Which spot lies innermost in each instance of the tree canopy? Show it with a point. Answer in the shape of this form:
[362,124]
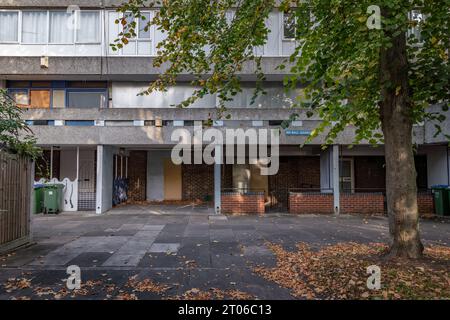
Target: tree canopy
[336,58]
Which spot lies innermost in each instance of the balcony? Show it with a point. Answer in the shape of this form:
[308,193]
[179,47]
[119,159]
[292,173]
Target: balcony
[140,127]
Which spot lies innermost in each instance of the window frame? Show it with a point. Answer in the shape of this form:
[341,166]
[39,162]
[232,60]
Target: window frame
[87,90]
[49,29]
[284,38]
[138,24]
[77,23]
[135,40]
[411,31]
[22,90]
[18,27]
[47,36]
[57,86]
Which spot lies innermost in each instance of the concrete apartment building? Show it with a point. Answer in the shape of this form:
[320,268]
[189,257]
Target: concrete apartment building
[81,101]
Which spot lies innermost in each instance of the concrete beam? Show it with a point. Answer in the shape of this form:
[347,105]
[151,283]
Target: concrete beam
[246,114]
[112,68]
[147,136]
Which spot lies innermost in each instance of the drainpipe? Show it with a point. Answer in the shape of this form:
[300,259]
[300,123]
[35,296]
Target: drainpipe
[51,163]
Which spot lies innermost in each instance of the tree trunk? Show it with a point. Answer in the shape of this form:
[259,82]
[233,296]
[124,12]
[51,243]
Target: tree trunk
[397,123]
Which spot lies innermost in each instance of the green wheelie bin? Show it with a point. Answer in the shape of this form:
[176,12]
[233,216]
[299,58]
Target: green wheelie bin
[52,198]
[38,191]
[441,199]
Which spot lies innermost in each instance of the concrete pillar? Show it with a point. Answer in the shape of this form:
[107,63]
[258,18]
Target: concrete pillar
[155,174]
[2,84]
[105,175]
[218,179]
[336,191]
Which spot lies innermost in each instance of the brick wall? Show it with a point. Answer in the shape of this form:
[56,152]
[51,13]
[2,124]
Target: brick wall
[310,202]
[365,203]
[294,172]
[137,174]
[198,182]
[425,202]
[237,203]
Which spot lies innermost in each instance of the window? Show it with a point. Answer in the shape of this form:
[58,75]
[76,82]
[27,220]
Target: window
[20,97]
[144,31]
[55,27]
[80,123]
[61,27]
[31,98]
[149,123]
[119,123]
[58,94]
[34,27]
[141,42]
[9,25]
[275,123]
[417,18]
[89,27]
[347,178]
[59,98]
[85,99]
[129,19]
[289,21]
[42,123]
[144,43]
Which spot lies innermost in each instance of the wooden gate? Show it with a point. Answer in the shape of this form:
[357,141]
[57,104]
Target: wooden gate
[15,193]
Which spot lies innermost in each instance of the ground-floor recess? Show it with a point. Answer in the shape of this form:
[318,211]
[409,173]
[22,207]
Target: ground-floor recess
[309,180]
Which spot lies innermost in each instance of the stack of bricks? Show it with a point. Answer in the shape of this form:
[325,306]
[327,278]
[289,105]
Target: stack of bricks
[239,203]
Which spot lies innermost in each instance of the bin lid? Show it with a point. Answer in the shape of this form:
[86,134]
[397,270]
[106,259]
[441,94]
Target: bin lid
[440,186]
[50,186]
[38,185]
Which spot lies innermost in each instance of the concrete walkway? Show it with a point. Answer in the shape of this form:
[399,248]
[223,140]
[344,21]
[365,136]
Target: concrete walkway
[182,250]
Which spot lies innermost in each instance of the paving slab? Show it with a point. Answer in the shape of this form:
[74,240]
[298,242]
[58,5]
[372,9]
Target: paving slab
[179,248]
[164,248]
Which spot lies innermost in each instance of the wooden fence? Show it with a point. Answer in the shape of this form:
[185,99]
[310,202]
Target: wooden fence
[15,201]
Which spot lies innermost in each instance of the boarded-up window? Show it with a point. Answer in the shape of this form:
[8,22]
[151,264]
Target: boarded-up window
[59,98]
[172,181]
[40,99]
